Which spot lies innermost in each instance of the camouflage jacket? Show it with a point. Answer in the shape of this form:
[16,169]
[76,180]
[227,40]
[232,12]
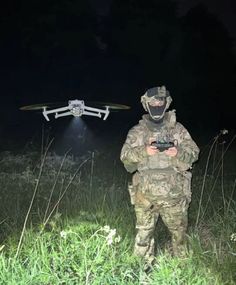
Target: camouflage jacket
[135,157]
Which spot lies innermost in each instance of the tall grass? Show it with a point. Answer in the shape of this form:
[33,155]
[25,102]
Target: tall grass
[79,226]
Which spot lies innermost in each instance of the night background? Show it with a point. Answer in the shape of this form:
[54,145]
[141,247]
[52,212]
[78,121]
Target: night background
[111,51]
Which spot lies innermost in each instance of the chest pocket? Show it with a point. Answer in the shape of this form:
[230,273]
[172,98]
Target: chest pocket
[160,160]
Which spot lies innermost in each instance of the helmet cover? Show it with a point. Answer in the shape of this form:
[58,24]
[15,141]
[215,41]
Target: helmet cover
[156,101]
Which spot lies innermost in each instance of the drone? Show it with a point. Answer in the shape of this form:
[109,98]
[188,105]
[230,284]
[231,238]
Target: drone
[76,108]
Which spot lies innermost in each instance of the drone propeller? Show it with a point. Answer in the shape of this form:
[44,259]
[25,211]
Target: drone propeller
[40,106]
[112,106]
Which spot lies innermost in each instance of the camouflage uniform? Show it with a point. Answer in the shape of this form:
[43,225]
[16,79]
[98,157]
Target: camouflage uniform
[161,184]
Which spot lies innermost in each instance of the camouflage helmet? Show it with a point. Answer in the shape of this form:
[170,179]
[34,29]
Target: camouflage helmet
[156,94]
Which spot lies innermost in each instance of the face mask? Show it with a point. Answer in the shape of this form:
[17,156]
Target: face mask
[156,107]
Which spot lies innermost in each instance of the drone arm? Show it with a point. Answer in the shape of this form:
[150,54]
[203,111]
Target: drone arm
[97,113]
[92,114]
[46,112]
[57,110]
[106,112]
[63,114]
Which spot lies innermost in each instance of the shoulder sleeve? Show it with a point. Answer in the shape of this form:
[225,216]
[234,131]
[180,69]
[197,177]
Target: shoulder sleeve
[133,150]
[188,150]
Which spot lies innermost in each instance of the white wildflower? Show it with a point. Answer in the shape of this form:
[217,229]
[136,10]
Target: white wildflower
[117,239]
[109,240]
[63,234]
[112,232]
[233,237]
[110,236]
[224,132]
[106,229]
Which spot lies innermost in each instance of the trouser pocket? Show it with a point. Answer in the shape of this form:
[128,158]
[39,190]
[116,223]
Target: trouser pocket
[187,178]
[131,193]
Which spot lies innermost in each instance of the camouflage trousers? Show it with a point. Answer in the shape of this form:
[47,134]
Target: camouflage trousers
[174,214]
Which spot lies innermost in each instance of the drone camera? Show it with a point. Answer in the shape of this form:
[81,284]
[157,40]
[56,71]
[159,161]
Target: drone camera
[76,107]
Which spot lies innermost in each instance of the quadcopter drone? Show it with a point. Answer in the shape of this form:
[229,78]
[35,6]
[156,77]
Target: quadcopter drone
[77,108]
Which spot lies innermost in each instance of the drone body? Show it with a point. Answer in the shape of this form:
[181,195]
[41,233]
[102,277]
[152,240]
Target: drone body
[76,108]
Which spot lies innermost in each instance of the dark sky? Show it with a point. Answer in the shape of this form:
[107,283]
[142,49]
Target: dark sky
[224,9]
[114,52]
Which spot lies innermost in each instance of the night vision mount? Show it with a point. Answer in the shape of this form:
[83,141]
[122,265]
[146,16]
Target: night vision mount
[76,108]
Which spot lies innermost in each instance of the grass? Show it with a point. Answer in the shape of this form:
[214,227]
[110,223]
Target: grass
[73,223]
[82,253]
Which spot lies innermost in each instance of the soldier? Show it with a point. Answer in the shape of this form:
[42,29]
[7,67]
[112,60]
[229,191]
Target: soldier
[160,152]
